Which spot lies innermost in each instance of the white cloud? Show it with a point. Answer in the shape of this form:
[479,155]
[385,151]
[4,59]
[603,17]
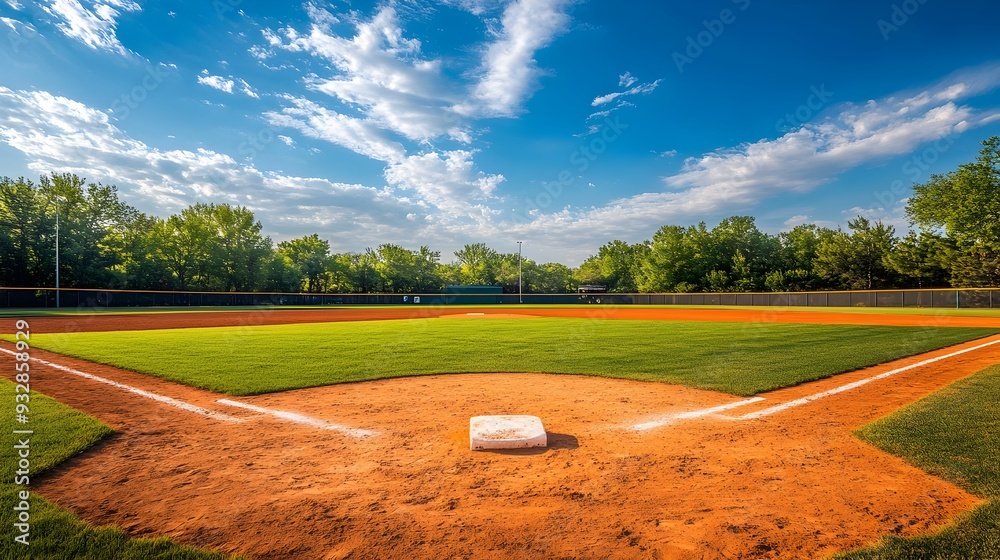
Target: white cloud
[600,115]
[362,136]
[94,25]
[61,135]
[227,85]
[286,139]
[247,90]
[895,216]
[641,89]
[627,79]
[475,7]
[382,74]
[447,180]
[797,220]
[217,82]
[668,153]
[509,71]
[16,25]
[742,177]
[14,4]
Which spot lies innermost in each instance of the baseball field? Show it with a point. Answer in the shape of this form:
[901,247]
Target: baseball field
[672,433]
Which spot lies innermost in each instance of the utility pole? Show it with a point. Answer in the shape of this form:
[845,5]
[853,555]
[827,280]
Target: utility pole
[520,293]
[59,200]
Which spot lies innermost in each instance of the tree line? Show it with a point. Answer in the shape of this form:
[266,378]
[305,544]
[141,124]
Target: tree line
[106,243]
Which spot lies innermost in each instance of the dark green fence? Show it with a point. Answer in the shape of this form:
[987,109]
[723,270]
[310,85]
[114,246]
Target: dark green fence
[983,298]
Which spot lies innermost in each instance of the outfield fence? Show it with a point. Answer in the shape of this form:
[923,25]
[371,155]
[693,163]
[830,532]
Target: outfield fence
[965,298]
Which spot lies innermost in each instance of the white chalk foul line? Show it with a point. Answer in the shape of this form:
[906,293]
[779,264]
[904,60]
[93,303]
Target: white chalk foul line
[693,414]
[301,419]
[798,402]
[154,396]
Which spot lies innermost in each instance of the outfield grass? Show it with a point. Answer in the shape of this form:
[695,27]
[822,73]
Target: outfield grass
[954,434]
[736,358]
[60,433]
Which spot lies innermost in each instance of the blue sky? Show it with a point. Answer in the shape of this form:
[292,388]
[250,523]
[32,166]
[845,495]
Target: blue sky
[564,124]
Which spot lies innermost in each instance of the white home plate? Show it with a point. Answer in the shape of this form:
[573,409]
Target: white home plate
[506,432]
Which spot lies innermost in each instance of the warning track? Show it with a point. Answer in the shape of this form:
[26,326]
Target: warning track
[110,322]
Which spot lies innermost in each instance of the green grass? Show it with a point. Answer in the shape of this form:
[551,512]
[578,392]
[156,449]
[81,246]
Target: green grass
[60,433]
[737,358]
[954,434]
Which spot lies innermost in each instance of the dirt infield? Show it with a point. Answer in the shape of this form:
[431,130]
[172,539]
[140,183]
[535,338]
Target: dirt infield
[793,485]
[110,322]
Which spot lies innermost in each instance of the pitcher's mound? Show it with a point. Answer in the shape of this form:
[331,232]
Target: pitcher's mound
[506,432]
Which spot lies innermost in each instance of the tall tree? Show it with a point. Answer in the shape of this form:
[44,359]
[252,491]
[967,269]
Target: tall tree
[616,265]
[670,264]
[241,248]
[477,264]
[310,257]
[89,215]
[741,254]
[506,272]
[859,260]
[965,203]
[426,276]
[396,267]
[549,278]
[137,267]
[24,234]
[361,273]
[795,266]
[924,260]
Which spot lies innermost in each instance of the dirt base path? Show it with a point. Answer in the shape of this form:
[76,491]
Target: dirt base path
[142,321]
[796,484]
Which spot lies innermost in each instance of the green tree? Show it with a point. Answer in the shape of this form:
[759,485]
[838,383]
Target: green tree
[361,273]
[211,247]
[477,265]
[89,216]
[397,268]
[858,260]
[24,234]
[550,278]
[309,256]
[279,274]
[506,271]
[616,265]
[924,260]
[240,250]
[426,276]
[743,253]
[137,267]
[965,204]
[669,260]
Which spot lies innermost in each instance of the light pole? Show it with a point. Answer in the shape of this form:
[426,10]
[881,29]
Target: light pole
[520,294]
[59,200]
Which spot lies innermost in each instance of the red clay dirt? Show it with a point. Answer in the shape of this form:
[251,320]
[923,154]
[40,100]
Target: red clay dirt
[271,316]
[797,484]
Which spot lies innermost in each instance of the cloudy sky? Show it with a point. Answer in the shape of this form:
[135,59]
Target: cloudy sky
[564,124]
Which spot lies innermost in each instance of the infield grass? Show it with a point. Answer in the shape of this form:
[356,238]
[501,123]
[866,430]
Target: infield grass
[60,433]
[954,434]
[736,358]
